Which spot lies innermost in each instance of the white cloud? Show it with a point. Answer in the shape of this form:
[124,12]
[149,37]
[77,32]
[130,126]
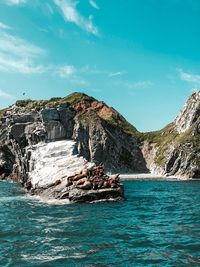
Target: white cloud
[3,94]
[93,4]
[71,74]
[114,74]
[139,84]
[19,47]
[71,14]
[66,71]
[20,65]
[4,26]
[189,77]
[15,2]
[18,55]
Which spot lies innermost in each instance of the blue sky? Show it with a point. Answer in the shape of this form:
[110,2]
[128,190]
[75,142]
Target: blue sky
[139,56]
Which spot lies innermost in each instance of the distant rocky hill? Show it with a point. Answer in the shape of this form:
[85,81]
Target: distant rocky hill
[101,135]
[175,150]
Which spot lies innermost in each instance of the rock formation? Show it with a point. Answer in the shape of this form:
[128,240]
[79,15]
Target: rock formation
[189,114]
[175,150]
[90,184]
[42,142]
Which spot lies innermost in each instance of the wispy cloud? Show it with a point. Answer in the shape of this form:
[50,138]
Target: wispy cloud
[18,55]
[189,77]
[71,14]
[19,65]
[66,71]
[15,2]
[19,47]
[3,94]
[72,74]
[93,4]
[4,26]
[118,73]
[94,70]
[138,84]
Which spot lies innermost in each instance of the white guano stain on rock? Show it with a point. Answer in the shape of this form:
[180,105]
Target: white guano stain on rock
[52,161]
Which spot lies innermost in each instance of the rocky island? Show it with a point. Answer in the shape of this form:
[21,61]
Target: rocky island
[63,147]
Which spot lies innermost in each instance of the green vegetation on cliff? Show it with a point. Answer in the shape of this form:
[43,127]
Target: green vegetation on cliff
[54,102]
[162,148]
[76,97]
[2,111]
[167,137]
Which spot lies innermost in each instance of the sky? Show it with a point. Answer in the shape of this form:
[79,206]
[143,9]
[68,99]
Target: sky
[141,57]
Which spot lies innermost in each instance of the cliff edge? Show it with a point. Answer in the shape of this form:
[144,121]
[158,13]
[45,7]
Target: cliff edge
[175,150]
[66,135]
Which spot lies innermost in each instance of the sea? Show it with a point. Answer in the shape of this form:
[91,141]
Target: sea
[158,224]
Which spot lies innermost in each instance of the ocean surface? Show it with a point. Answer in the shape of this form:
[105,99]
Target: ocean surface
[157,225]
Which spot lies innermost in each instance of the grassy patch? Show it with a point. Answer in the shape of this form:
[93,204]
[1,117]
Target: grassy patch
[116,120]
[167,137]
[76,98]
[2,111]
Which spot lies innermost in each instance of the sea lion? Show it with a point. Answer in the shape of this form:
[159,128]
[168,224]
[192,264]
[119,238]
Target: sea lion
[79,176]
[114,177]
[82,181]
[113,185]
[69,183]
[100,184]
[95,186]
[57,182]
[86,186]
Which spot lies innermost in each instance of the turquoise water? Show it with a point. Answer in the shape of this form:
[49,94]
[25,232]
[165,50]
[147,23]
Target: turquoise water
[158,225]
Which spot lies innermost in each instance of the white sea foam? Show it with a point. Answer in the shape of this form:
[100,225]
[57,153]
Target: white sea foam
[48,258]
[12,198]
[55,160]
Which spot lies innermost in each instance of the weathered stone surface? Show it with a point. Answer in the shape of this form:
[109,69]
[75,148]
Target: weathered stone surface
[24,118]
[77,189]
[189,114]
[50,115]
[101,135]
[7,160]
[55,131]
[100,142]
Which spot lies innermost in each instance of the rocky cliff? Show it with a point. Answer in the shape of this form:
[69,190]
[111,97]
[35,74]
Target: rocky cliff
[99,134]
[175,150]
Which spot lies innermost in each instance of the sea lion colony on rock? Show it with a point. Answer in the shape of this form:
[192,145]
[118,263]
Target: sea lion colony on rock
[94,178]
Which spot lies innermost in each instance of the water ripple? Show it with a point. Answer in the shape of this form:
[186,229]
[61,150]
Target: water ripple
[158,225]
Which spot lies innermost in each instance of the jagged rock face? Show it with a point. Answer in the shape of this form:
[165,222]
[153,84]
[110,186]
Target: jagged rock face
[21,129]
[184,162]
[85,122]
[7,161]
[101,135]
[100,142]
[175,150]
[189,114]
[185,158]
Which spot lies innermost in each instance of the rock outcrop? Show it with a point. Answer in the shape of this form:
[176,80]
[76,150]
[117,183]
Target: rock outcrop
[175,150]
[90,184]
[189,114]
[99,132]
[78,131]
